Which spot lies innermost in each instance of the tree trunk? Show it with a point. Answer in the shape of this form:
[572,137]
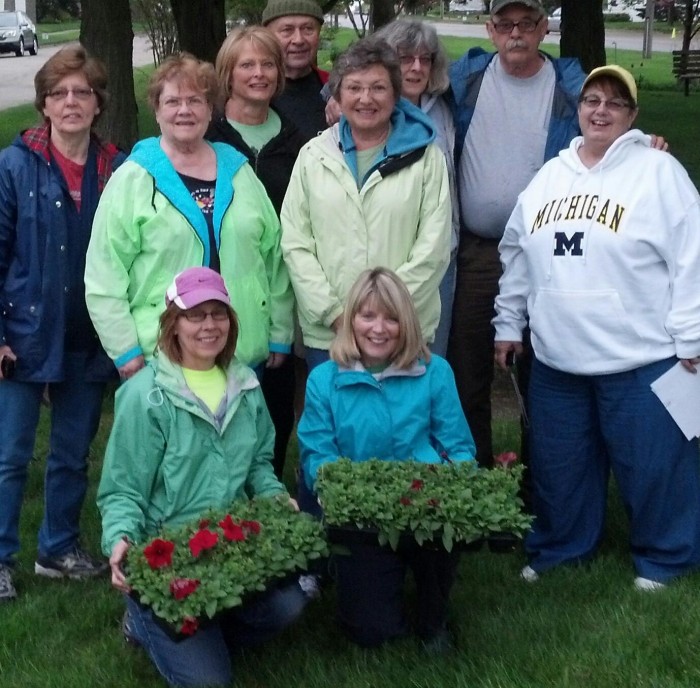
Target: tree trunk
[201,26]
[583,32]
[381,13]
[114,46]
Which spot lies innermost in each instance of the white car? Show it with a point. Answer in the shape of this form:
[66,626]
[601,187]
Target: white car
[554,21]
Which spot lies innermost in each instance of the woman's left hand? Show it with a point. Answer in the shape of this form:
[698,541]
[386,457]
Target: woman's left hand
[275,360]
[294,504]
[690,363]
[115,563]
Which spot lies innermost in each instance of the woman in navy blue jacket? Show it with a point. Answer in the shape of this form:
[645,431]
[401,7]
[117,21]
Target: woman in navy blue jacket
[382,395]
[51,178]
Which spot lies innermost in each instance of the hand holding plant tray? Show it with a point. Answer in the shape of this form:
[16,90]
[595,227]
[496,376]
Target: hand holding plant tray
[196,571]
[444,503]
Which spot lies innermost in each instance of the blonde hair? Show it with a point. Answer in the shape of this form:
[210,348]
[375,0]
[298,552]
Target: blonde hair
[183,69]
[384,288]
[230,52]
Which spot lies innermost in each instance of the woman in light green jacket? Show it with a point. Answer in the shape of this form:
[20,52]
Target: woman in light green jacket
[191,433]
[370,191]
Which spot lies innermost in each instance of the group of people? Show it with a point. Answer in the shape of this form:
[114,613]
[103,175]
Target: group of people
[394,212]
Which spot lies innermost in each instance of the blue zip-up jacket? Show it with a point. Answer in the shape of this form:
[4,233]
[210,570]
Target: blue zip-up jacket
[467,73]
[42,256]
[396,415]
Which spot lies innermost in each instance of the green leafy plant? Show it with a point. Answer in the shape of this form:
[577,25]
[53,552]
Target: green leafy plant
[196,571]
[444,503]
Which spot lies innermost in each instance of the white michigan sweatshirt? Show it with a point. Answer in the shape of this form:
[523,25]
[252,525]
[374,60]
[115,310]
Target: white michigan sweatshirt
[604,262]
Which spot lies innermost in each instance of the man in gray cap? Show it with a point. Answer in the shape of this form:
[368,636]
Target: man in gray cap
[297,27]
[514,109]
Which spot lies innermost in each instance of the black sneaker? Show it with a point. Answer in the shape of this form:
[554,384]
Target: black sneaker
[75,564]
[7,589]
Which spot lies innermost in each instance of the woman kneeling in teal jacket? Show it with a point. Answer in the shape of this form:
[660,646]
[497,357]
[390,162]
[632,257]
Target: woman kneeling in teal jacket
[382,395]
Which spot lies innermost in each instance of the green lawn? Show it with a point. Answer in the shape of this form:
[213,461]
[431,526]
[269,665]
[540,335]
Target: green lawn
[576,628]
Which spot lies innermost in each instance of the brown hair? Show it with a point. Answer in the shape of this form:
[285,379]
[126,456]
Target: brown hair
[384,288]
[168,342]
[183,69]
[68,61]
[612,85]
[230,52]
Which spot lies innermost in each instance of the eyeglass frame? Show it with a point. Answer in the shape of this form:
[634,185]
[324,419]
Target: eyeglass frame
[408,60]
[618,104]
[195,315]
[512,24]
[80,93]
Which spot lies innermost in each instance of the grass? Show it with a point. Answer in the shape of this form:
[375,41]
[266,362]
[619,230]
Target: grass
[576,628]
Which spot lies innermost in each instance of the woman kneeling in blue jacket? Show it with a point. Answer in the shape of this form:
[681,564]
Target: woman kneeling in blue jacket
[382,395]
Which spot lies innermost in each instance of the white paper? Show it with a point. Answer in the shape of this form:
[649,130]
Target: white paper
[679,392]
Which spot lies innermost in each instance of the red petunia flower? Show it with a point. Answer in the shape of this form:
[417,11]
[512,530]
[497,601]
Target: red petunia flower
[251,527]
[183,587]
[159,553]
[232,531]
[189,626]
[204,523]
[434,502]
[406,501]
[417,485]
[506,459]
[203,539]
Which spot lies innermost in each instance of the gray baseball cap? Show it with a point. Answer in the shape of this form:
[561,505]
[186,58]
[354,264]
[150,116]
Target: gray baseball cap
[499,5]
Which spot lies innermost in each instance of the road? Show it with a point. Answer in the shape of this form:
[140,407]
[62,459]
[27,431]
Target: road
[17,73]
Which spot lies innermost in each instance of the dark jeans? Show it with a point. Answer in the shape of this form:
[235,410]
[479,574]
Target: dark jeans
[370,583]
[278,389]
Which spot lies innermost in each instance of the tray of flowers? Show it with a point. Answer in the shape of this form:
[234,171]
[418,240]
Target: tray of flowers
[190,574]
[451,504]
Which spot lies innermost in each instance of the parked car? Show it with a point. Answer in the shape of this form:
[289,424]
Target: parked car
[554,21]
[17,34]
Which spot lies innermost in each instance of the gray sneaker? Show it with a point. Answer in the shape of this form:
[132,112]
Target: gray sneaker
[7,589]
[75,564]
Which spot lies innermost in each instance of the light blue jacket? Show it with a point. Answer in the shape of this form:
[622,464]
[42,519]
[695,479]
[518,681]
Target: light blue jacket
[395,415]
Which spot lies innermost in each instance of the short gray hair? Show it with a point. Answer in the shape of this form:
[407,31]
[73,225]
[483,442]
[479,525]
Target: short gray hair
[412,36]
[362,55]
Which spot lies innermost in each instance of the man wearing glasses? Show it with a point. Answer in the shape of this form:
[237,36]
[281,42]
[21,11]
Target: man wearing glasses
[514,109]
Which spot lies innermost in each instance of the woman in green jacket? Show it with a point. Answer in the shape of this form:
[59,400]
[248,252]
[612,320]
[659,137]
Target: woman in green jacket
[191,433]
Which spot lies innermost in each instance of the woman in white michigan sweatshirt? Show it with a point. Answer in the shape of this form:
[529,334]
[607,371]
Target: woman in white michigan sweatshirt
[601,258]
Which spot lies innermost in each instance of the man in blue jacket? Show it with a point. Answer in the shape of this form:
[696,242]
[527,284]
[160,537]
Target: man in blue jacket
[514,109]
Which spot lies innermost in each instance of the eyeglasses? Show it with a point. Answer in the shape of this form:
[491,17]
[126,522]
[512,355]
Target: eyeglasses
[192,102]
[525,25]
[614,104]
[62,93]
[197,315]
[409,60]
[378,90]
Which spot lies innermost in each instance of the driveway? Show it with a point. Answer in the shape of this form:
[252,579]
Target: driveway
[17,73]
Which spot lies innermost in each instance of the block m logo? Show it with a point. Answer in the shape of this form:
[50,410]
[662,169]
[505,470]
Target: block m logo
[563,244]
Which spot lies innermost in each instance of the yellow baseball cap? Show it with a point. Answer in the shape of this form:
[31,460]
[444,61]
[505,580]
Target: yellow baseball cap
[616,72]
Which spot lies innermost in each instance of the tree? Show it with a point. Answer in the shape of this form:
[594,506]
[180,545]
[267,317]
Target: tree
[381,12]
[691,21]
[201,26]
[583,32]
[115,48]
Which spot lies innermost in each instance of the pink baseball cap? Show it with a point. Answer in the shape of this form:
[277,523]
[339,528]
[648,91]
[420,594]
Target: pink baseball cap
[196,285]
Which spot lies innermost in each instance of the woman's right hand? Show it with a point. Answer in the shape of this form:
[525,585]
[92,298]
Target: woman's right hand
[132,367]
[502,349]
[5,351]
[115,563]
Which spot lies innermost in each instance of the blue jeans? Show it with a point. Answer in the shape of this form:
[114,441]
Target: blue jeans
[583,426]
[447,297]
[204,659]
[75,415]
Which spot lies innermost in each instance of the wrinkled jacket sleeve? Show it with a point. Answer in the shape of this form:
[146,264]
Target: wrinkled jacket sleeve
[514,285]
[281,294]
[114,244]
[315,295]
[261,479]
[316,431]
[430,253]
[134,453]
[448,426]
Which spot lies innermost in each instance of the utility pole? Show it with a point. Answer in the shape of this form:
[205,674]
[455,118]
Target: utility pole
[648,29]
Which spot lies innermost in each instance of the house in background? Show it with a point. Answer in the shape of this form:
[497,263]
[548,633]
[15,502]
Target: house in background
[26,6]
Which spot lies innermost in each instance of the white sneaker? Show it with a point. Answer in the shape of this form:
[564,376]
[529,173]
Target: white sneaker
[647,584]
[310,585]
[529,575]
